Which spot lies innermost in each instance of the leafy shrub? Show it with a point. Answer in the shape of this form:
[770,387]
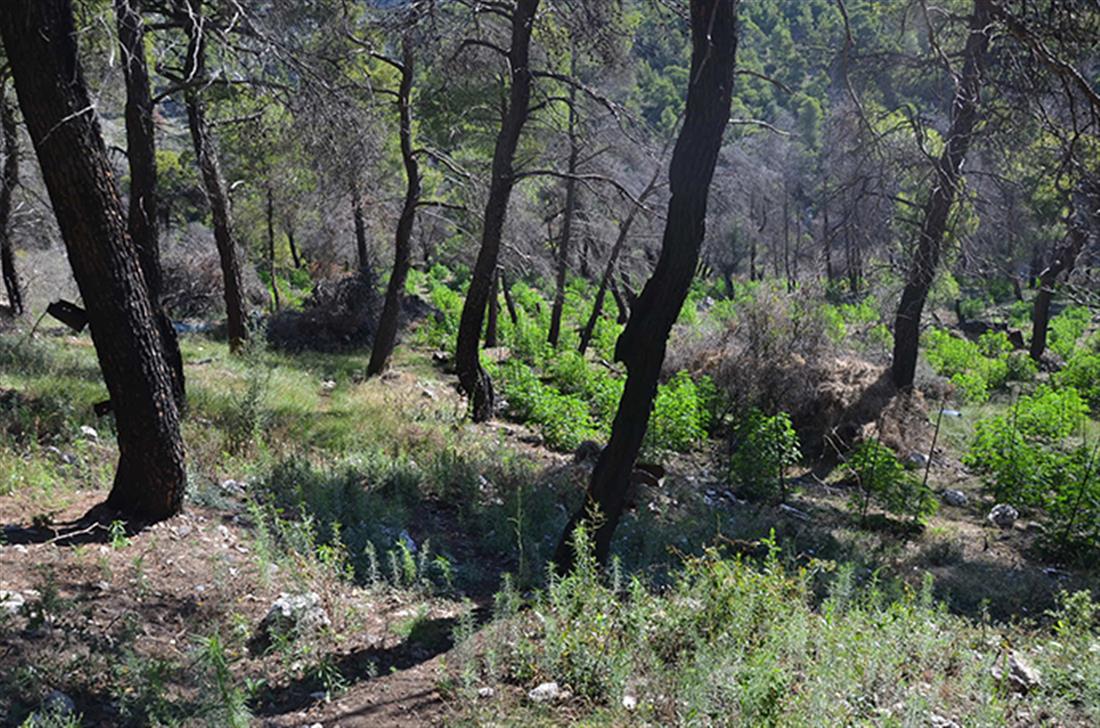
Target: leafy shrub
[882,478]
[679,417]
[764,448]
[1066,328]
[564,420]
[976,368]
[1029,459]
[1082,372]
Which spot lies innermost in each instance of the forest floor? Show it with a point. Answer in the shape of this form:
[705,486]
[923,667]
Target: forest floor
[156,626]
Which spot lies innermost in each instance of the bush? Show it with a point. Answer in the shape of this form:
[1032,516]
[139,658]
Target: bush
[1066,328]
[880,477]
[1082,372]
[679,419]
[1029,459]
[764,448]
[976,369]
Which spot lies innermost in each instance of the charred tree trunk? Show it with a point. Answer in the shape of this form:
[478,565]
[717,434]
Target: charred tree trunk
[362,251]
[473,378]
[9,178]
[620,304]
[494,312]
[642,345]
[386,336]
[294,256]
[926,258]
[271,248]
[213,183]
[1064,258]
[567,222]
[607,280]
[141,152]
[40,40]
[508,301]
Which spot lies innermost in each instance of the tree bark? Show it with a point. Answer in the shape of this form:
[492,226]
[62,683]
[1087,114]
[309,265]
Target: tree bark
[142,216]
[926,258]
[213,182]
[9,178]
[567,222]
[271,248]
[494,312]
[1064,258]
[606,281]
[386,336]
[473,378]
[507,291]
[362,251]
[289,226]
[40,40]
[642,344]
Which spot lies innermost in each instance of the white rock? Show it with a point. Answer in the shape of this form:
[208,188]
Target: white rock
[89,432]
[916,461]
[545,692]
[1003,515]
[485,692]
[11,601]
[1021,674]
[955,498]
[630,702]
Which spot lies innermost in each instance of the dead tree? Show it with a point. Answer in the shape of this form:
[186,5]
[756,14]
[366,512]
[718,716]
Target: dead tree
[40,40]
[473,378]
[9,178]
[641,348]
[213,182]
[569,214]
[142,215]
[948,168]
[386,337]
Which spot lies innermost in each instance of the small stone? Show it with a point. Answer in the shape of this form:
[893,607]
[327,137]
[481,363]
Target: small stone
[938,721]
[1003,515]
[89,432]
[545,692]
[1021,677]
[955,498]
[297,614]
[427,393]
[19,548]
[630,702]
[485,692]
[233,487]
[102,586]
[328,385]
[11,602]
[916,461]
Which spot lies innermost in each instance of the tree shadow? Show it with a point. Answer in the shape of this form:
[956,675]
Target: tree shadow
[97,526]
[426,640]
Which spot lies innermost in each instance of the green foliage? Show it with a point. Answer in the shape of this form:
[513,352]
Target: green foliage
[881,478]
[976,368]
[1066,328]
[764,447]
[680,416]
[1030,459]
[564,420]
[1082,372]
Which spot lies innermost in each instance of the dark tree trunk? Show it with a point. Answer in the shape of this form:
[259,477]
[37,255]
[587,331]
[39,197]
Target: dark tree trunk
[9,178]
[141,152]
[1064,258]
[620,303]
[386,336]
[362,251]
[607,280]
[291,244]
[508,301]
[271,248]
[830,274]
[494,312]
[567,222]
[40,40]
[922,270]
[213,182]
[642,344]
[473,378]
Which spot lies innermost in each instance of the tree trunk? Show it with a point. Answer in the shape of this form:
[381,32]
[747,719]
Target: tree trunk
[607,280]
[948,167]
[494,312]
[642,344]
[141,153]
[9,178]
[620,304]
[508,301]
[567,222]
[289,226]
[362,252]
[213,183]
[386,336]
[40,40]
[1064,258]
[473,378]
[271,248]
